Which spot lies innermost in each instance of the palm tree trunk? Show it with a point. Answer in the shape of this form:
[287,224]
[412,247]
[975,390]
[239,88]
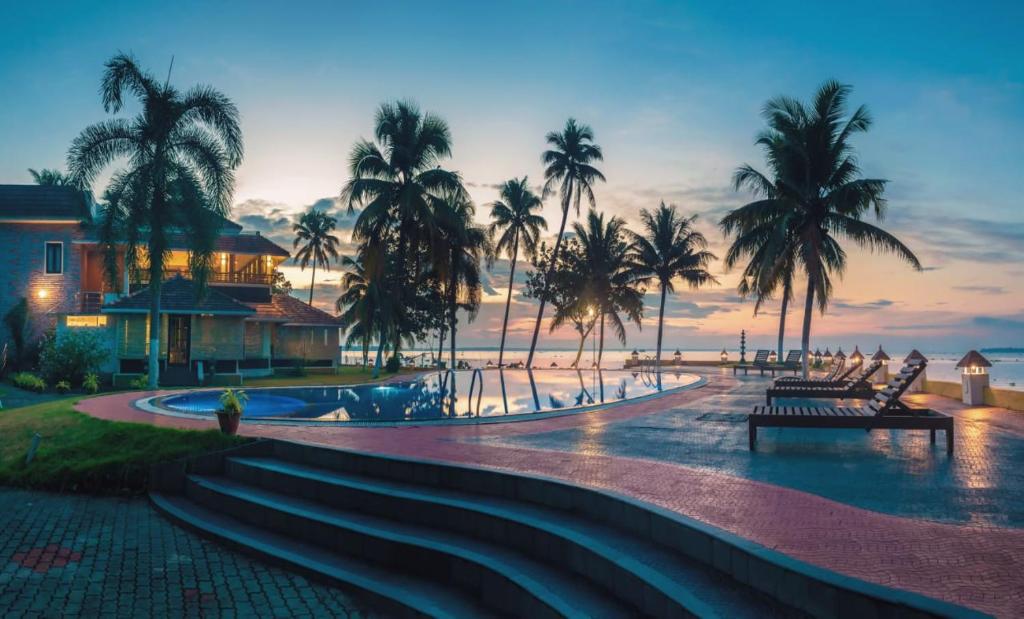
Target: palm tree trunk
[782,319]
[311,282]
[600,346]
[154,330]
[452,317]
[808,311]
[508,300]
[380,353]
[551,273]
[583,341]
[661,325]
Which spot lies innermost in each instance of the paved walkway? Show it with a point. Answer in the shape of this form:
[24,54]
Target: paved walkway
[974,564]
[74,555]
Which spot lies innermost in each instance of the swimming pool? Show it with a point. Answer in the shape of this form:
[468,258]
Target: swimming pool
[476,393]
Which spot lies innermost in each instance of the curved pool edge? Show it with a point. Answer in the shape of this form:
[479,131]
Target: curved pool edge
[147,405]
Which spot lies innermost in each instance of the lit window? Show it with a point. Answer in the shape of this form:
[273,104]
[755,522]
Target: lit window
[54,258]
[75,322]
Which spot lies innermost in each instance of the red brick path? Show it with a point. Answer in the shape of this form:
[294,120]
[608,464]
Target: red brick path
[977,566]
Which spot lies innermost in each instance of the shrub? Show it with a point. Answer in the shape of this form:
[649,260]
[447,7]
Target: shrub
[91,383]
[75,355]
[299,367]
[141,382]
[394,364]
[233,401]
[29,382]
[16,321]
[62,386]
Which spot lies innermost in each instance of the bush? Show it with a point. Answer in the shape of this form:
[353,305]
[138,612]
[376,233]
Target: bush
[77,354]
[394,364]
[141,382]
[29,382]
[16,321]
[62,386]
[233,401]
[91,383]
[299,367]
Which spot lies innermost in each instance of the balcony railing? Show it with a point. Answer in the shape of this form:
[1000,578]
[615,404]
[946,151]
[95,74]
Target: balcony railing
[216,277]
[90,302]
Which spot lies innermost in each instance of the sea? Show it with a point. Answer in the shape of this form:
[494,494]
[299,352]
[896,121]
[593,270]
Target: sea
[1007,371]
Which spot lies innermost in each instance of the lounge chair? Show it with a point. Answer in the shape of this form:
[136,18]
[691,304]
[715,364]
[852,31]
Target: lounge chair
[884,411]
[859,388]
[837,372]
[760,363]
[792,361]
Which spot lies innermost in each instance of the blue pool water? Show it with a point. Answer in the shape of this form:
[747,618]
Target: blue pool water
[483,393]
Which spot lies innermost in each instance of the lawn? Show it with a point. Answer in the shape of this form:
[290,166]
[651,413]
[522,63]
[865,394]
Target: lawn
[81,454]
[347,375]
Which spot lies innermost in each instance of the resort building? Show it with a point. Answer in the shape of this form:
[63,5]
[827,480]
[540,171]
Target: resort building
[239,327]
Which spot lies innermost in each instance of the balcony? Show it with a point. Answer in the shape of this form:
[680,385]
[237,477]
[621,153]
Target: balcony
[217,277]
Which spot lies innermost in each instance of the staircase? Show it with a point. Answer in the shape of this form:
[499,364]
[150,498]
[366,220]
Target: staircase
[419,538]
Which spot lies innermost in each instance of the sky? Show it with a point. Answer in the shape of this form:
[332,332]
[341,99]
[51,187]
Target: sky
[673,91]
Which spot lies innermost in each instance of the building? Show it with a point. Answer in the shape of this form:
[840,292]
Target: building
[239,327]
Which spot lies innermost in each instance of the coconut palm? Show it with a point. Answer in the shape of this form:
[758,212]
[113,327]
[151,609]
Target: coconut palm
[52,178]
[763,281]
[467,245]
[182,149]
[513,217]
[816,195]
[611,281]
[319,246]
[569,167]
[669,248]
[355,305]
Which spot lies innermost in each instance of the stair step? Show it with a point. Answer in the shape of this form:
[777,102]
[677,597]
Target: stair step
[658,581]
[502,577]
[396,594]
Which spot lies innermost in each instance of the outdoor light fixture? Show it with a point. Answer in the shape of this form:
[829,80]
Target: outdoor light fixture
[828,355]
[678,356]
[724,356]
[635,355]
[856,357]
[817,356]
[42,293]
[773,357]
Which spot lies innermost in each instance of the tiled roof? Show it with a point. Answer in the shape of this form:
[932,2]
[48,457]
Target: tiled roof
[237,244]
[178,296]
[914,355]
[974,358]
[286,309]
[41,202]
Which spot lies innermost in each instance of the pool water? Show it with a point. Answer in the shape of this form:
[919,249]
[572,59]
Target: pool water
[476,393]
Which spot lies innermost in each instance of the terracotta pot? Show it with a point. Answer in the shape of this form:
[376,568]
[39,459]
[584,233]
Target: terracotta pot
[228,422]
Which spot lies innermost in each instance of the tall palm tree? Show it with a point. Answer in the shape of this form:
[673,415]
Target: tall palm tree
[355,306]
[610,278]
[182,149]
[569,167]
[513,217]
[763,281]
[816,195]
[53,178]
[467,245]
[313,232]
[669,248]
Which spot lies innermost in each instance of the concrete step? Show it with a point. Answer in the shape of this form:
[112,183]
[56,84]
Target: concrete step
[390,592]
[641,574]
[503,579]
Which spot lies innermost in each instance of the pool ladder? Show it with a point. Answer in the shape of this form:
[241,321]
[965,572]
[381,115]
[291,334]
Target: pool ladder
[477,372]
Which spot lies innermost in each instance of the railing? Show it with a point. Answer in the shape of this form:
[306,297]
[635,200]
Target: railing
[216,277]
[90,302]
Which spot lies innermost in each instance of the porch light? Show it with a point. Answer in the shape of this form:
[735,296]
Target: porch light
[724,356]
[42,293]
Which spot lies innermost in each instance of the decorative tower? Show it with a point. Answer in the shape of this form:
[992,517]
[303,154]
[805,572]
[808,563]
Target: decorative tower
[743,346]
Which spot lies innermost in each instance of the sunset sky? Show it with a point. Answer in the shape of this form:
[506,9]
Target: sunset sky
[673,92]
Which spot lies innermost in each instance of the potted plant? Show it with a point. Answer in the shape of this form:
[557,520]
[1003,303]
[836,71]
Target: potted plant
[232,403]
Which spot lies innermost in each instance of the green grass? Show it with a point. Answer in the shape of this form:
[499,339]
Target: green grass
[79,453]
[342,376]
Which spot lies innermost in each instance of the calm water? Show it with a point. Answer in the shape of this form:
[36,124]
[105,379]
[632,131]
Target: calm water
[1007,371]
[490,393]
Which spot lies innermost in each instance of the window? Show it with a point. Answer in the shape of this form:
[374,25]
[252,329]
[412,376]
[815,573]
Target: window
[54,258]
[75,322]
[325,337]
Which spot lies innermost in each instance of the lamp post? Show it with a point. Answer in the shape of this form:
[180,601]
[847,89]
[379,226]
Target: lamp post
[773,357]
[817,357]
[882,374]
[678,356]
[724,356]
[974,377]
[856,358]
[827,357]
[918,385]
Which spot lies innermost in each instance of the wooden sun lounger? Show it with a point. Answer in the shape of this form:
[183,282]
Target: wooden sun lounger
[860,388]
[884,411]
[792,361]
[838,372]
[760,361]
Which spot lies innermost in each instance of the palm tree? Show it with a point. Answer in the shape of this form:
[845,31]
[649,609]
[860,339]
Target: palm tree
[611,281]
[569,166]
[182,149]
[53,178]
[467,244]
[669,248]
[816,195]
[762,281]
[319,246]
[513,216]
[355,306]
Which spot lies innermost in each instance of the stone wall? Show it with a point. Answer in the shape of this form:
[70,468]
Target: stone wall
[22,273]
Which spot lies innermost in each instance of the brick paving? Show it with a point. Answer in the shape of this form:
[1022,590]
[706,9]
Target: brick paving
[978,564]
[74,555]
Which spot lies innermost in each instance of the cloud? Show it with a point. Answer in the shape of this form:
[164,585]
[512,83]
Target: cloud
[982,289]
[869,305]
